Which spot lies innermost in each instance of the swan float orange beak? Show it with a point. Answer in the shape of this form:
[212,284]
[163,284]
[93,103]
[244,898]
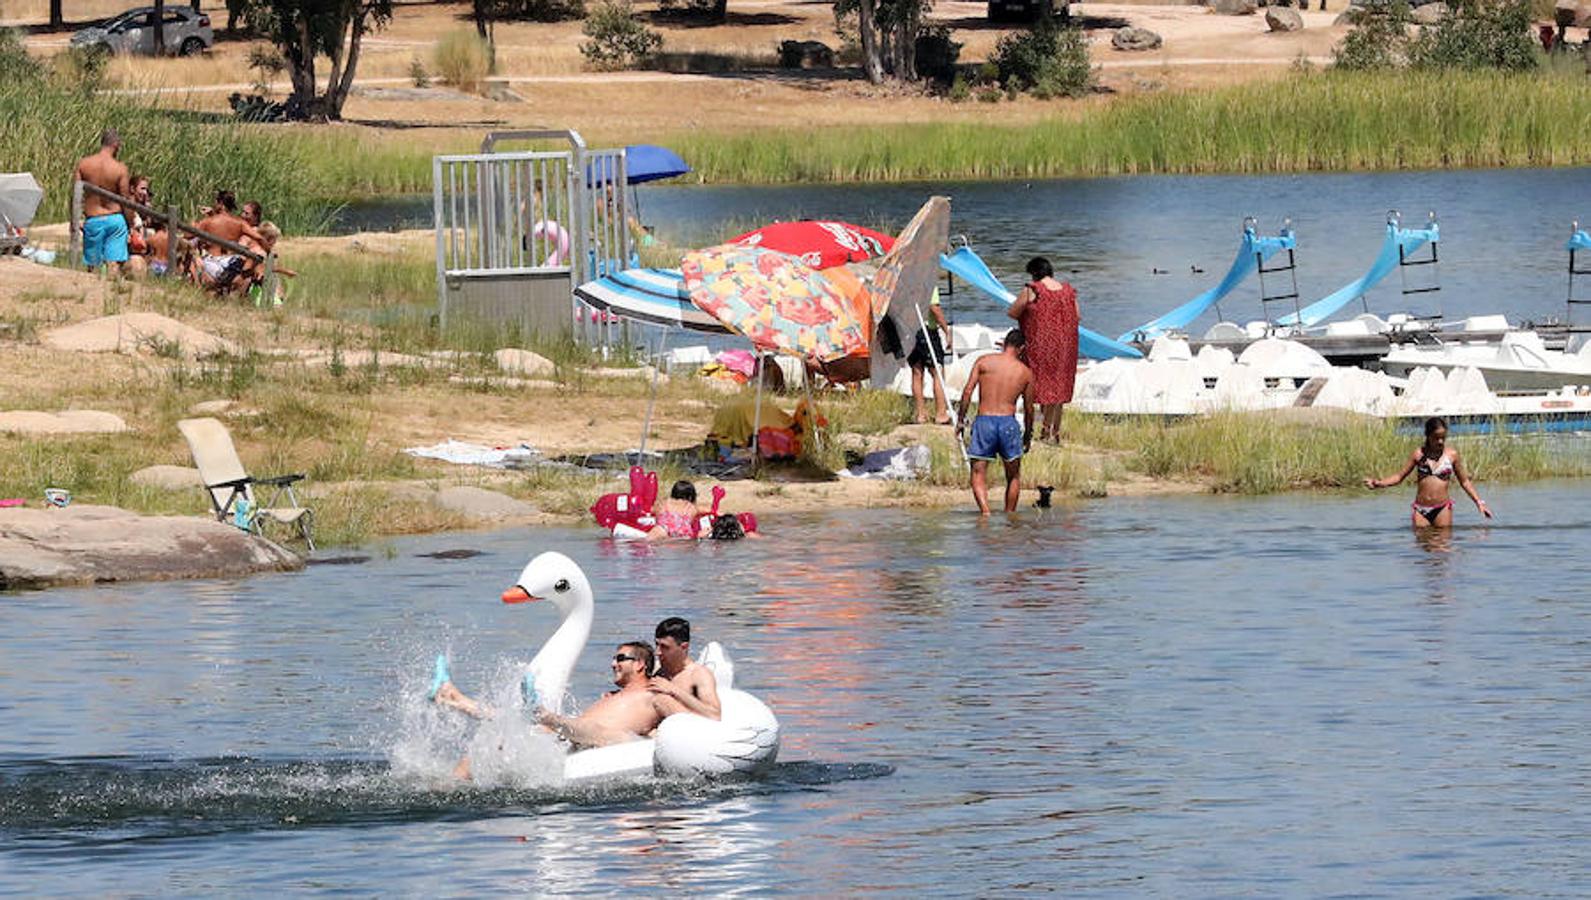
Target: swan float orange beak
[517,594]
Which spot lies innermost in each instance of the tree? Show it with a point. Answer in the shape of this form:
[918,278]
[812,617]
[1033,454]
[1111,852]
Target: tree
[56,20]
[306,29]
[160,27]
[887,31]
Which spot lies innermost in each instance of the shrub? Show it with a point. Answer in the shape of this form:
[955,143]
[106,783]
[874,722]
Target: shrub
[15,63]
[418,74]
[464,59]
[618,40]
[266,63]
[547,10]
[959,90]
[1048,60]
[1380,39]
[936,54]
[1478,36]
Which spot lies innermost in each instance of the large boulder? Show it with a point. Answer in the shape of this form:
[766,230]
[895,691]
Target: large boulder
[1232,7]
[138,332]
[1572,13]
[479,503]
[805,55]
[86,544]
[1430,14]
[514,361]
[169,478]
[1279,18]
[73,421]
[1353,15]
[1131,39]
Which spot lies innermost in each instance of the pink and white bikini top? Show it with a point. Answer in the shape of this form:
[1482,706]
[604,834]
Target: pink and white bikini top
[1443,468]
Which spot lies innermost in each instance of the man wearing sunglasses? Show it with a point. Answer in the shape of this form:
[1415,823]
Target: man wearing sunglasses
[620,715]
[625,714]
[682,684]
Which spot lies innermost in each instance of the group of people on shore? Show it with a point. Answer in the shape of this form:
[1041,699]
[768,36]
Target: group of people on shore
[649,686]
[124,240]
[1037,365]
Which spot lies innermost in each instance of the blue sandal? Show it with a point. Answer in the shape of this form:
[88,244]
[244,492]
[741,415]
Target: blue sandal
[440,677]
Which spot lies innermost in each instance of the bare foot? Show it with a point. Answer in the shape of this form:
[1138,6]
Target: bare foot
[450,696]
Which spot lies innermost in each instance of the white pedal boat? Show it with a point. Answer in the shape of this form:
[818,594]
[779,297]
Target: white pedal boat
[744,739]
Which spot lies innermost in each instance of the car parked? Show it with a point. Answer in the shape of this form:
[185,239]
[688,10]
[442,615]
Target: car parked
[186,32]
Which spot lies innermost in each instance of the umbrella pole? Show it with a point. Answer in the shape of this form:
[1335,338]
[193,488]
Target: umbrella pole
[812,408]
[939,376]
[756,416]
[651,397]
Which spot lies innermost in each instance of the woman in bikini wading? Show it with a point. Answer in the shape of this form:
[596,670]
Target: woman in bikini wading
[1435,464]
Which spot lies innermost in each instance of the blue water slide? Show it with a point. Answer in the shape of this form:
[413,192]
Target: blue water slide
[1407,240]
[1250,254]
[1579,241]
[970,267]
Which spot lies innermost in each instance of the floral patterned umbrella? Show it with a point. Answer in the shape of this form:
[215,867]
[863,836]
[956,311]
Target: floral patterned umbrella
[777,301]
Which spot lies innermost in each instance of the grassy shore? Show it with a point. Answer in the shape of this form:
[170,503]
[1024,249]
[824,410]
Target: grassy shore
[1311,121]
[336,383]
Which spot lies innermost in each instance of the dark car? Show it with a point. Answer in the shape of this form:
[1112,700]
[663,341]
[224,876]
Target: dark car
[185,32]
[1027,10]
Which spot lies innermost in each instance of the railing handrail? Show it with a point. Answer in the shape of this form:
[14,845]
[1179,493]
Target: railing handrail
[172,221]
[576,142]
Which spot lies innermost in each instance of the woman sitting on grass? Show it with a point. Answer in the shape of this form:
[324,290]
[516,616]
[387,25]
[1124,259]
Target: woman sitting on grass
[1436,464]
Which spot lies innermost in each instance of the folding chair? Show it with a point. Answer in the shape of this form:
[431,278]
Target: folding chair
[227,483]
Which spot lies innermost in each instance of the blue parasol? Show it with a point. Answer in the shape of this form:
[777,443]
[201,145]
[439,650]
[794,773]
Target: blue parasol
[642,163]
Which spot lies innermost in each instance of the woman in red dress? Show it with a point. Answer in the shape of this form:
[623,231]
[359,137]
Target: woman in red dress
[1047,311]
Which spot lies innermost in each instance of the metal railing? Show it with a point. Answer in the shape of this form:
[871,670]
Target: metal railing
[534,215]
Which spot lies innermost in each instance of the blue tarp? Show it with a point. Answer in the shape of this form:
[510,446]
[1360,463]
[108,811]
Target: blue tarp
[1579,241]
[1254,249]
[1406,239]
[969,267]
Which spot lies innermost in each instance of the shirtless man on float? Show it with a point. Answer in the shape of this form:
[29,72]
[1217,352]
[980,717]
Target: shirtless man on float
[682,684]
[627,713]
[999,380]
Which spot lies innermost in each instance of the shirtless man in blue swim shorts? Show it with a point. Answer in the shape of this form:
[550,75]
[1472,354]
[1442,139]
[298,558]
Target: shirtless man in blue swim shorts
[104,226]
[999,380]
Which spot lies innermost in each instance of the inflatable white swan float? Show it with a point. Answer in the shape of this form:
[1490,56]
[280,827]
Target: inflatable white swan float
[744,739]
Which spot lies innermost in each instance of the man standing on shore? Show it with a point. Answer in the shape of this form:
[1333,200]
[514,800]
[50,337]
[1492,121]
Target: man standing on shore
[104,227]
[999,380]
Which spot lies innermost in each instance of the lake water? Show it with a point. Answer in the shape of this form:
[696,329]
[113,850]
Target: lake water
[1503,233]
[1174,697]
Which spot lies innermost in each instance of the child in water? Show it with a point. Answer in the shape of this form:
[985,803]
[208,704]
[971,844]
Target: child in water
[1436,464]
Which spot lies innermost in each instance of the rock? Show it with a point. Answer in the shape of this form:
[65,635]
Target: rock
[1353,15]
[1130,38]
[84,544]
[1429,14]
[172,478]
[524,362]
[364,359]
[1572,14]
[642,371]
[136,332]
[73,421]
[805,55]
[1279,18]
[1232,7]
[479,503]
[211,407]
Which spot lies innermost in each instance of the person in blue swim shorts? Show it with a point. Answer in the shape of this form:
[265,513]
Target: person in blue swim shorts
[999,380]
[104,223]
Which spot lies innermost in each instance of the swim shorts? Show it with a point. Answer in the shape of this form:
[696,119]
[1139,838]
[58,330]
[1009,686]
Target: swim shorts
[996,436]
[104,240]
[925,346]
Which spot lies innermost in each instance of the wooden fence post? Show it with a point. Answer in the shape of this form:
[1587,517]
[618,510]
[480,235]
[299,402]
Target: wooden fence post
[172,237]
[269,286]
[74,246]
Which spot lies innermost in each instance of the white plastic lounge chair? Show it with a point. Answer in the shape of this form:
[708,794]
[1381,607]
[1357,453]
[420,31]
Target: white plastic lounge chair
[227,482]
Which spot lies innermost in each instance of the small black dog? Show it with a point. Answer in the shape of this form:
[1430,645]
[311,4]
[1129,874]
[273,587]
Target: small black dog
[1045,491]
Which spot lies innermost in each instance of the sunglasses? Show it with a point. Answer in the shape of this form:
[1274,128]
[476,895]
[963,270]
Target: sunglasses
[625,657]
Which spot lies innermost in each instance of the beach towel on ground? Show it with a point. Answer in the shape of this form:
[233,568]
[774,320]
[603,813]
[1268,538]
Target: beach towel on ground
[905,464]
[467,454]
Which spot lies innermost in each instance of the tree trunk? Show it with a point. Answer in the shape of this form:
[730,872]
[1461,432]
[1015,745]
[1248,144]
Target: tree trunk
[866,27]
[478,8]
[337,90]
[160,27]
[906,42]
[195,6]
[720,10]
[301,66]
[55,14]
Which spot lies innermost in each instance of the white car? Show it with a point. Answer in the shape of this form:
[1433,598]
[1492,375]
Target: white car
[186,32]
